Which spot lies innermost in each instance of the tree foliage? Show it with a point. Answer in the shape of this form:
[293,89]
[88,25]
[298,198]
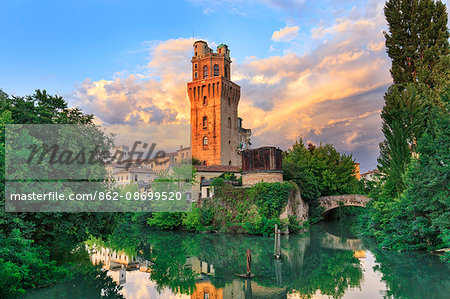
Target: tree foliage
[320,170]
[43,236]
[411,206]
[417,42]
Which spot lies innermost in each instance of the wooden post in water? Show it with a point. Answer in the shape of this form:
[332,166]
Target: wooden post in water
[123,275]
[249,263]
[277,247]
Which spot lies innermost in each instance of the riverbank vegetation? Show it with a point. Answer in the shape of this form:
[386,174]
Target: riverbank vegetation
[253,210]
[411,204]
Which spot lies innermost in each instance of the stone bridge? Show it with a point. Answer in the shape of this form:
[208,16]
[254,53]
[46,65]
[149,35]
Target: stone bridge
[334,201]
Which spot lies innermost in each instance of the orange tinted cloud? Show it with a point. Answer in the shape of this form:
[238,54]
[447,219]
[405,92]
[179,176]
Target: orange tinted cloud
[332,94]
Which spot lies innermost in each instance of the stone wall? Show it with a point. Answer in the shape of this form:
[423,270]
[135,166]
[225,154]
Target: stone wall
[252,178]
[296,206]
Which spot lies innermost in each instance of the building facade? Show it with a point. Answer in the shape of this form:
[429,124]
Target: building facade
[217,135]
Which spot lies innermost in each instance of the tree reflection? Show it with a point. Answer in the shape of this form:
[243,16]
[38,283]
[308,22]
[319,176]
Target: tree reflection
[331,272]
[304,267]
[411,274]
[168,263]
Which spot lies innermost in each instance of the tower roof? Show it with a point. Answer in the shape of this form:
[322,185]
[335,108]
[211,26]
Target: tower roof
[222,45]
[200,41]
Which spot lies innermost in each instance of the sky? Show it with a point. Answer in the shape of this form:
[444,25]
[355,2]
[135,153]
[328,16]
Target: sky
[315,70]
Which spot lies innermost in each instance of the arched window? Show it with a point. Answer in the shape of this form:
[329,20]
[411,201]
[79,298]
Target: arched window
[226,72]
[216,70]
[205,72]
[205,101]
[205,141]
[229,122]
[205,122]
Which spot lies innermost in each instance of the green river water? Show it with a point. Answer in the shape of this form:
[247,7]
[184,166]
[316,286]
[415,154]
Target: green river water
[327,262]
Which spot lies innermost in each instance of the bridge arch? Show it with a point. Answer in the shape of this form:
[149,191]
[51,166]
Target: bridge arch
[347,200]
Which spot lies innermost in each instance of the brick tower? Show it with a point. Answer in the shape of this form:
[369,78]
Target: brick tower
[217,136]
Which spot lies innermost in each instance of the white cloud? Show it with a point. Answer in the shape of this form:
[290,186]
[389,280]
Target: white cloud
[286,34]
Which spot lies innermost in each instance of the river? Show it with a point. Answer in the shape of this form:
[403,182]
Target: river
[329,261]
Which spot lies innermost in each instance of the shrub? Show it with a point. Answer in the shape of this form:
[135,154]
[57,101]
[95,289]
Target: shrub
[25,265]
[166,220]
[293,224]
[261,226]
[271,198]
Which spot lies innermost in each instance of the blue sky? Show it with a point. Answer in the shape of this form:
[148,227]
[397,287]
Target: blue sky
[315,70]
[57,44]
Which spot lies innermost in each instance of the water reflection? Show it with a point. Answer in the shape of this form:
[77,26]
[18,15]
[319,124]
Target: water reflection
[327,262]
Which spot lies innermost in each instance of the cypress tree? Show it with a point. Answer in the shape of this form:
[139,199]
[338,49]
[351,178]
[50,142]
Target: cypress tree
[417,42]
[418,46]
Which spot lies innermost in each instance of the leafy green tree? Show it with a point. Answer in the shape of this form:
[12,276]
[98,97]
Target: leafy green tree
[410,201]
[417,42]
[404,118]
[320,170]
[45,236]
[422,215]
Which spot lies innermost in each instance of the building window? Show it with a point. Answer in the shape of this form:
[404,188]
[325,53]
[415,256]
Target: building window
[229,102]
[205,72]
[229,122]
[205,141]
[135,177]
[195,66]
[205,101]
[229,163]
[195,75]
[205,122]
[216,70]
[226,72]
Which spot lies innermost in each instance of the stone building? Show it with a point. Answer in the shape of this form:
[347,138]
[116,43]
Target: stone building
[261,165]
[217,135]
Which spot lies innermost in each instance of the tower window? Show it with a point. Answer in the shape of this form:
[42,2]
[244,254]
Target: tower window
[195,66]
[205,101]
[216,70]
[195,75]
[205,141]
[205,122]
[229,122]
[226,72]
[205,72]
[229,102]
